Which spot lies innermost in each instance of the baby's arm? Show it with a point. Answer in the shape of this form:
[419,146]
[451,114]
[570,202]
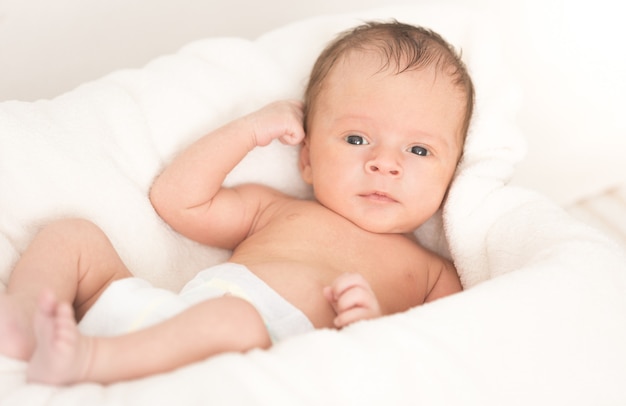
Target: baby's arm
[446,283]
[189,195]
[352,298]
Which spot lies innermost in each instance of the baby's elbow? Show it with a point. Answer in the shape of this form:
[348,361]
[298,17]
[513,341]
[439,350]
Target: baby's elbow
[159,200]
[154,197]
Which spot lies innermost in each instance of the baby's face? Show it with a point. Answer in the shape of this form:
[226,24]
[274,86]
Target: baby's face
[381,147]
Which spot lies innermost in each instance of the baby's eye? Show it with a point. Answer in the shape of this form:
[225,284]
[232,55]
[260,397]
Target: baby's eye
[417,150]
[356,140]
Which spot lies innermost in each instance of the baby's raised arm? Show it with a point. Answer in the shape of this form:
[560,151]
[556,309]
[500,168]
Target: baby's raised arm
[189,195]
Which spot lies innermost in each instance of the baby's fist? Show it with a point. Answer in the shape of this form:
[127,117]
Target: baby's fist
[281,120]
[352,298]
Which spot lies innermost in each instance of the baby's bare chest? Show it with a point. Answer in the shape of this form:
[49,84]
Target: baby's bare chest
[308,248]
[313,233]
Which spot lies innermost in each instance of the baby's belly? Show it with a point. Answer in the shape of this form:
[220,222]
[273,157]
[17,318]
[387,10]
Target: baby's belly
[300,284]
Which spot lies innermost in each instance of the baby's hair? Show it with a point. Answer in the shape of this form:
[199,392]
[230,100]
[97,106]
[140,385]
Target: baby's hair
[404,47]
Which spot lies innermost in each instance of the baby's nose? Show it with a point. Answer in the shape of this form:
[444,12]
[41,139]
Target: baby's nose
[383,166]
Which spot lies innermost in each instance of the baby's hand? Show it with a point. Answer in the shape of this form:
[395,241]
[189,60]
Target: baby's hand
[282,120]
[352,298]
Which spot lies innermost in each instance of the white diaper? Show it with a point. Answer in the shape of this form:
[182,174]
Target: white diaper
[131,304]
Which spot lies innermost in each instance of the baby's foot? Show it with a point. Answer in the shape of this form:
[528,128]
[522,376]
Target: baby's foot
[62,353]
[16,333]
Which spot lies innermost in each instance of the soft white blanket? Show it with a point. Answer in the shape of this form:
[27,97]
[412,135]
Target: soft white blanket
[541,321]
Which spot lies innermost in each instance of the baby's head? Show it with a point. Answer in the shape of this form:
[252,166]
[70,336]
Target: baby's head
[387,111]
[401,47]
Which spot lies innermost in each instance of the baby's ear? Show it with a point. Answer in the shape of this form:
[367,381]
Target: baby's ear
[304,164]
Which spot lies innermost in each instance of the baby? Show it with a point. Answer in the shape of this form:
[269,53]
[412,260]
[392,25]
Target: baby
[381,131]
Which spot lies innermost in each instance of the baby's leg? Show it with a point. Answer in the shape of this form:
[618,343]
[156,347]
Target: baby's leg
[63,356]
[71,258]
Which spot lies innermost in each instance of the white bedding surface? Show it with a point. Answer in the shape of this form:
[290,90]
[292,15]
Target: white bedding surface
[605,211]
[541,321]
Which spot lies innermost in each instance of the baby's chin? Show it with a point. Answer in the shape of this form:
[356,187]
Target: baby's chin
[383,226]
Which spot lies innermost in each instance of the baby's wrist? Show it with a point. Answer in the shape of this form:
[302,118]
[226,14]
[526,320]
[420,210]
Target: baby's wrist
[260,135]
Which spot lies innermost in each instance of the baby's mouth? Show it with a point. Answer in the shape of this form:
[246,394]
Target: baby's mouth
[379,197]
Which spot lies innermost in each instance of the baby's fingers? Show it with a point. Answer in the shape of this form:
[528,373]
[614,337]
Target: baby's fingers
[347,281]
[352,315]
[355,296]
[293,138]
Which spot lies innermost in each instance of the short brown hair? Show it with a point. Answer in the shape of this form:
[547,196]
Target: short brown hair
[404,46]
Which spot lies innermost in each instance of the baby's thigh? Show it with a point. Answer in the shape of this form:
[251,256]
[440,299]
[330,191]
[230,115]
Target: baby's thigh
[230,322]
